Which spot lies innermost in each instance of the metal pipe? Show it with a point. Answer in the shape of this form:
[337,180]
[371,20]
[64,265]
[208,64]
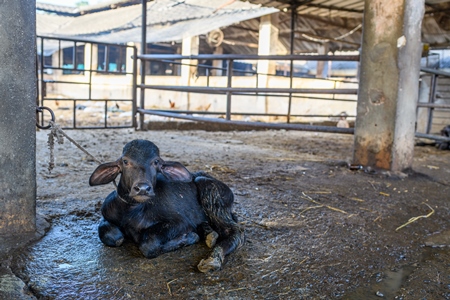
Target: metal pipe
[291,70]
[229,93]
[431,101]
[190,112]
[143,52]
[90,72]
[433,105]
[435,72]
[225,90]
[253,124]
[134,92]
[249,57]
[74,56]
[433,137]
[40,91]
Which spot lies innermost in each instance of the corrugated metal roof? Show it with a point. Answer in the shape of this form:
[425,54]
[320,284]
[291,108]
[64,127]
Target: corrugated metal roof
[323,8]
[336,23]
[167,20]
[85,9]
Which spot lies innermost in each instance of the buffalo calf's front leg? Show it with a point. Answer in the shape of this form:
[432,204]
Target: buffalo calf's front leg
[110,234]
[153,245]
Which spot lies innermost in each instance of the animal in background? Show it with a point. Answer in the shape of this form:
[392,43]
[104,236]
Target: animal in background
[161,206]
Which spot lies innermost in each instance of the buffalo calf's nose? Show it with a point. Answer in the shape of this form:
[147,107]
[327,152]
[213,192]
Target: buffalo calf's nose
[142,189]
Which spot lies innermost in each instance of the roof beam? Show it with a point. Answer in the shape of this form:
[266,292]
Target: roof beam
[333,7]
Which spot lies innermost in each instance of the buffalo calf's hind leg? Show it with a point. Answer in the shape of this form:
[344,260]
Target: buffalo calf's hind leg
[208,234]
[216,199]
[110,234]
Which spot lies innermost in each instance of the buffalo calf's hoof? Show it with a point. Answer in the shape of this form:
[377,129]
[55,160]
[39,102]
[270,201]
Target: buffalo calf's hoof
[209,264]
[211,239]
[213,262]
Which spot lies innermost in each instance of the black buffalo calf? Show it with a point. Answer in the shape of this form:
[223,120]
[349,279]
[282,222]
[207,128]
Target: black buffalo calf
[161,206]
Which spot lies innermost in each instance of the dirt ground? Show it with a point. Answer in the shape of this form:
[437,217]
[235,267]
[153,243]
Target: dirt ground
[315,229]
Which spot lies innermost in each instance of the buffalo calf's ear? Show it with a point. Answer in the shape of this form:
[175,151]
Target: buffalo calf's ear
[175,171]
[105,173]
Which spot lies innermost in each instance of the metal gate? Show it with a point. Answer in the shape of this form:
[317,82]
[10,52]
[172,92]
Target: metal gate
[87,84]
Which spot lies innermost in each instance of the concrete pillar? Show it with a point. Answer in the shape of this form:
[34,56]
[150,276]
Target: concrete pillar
[129,59]
[389,83]
[267,45]
[57,62]
[217,63]
[17,117]
[322,66]
[190,46]
[90,58]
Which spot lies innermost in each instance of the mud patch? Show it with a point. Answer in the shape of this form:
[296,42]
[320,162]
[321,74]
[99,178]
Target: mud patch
[315,229]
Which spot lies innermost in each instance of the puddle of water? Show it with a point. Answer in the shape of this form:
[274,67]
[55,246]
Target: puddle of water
[387,284]
[385,287]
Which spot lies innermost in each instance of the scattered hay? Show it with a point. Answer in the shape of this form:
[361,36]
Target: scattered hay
[306,197]
[413,219]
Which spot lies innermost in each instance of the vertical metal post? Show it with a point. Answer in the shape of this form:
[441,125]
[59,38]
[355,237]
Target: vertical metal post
[291,72]
[41,74]
[59,54]
[434,78]
[106,114]
[143,51]
[229,78]
[207,76]
[74,114]
[257,78]
[90,72]
[106,58]
[74,56]
[134,92]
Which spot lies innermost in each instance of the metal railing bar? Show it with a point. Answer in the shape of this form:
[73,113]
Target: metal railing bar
[249,57]
[433,105]
[435,72]
[297,97]
[432,137]
[83,41]
[67,82]
[224,90]
[253,124]
[87,70]
[87,99]
[245,114]
[97,127]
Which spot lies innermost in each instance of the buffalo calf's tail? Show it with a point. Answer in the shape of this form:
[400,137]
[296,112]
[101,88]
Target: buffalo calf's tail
[217,199]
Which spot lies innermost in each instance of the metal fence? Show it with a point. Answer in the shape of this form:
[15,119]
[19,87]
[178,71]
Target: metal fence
[290,93]
[436,84]
[68,83]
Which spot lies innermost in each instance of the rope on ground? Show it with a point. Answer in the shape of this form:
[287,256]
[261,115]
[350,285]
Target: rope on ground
[59,134]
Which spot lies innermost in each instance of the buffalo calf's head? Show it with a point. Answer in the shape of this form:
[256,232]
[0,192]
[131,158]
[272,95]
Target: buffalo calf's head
[139,166]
